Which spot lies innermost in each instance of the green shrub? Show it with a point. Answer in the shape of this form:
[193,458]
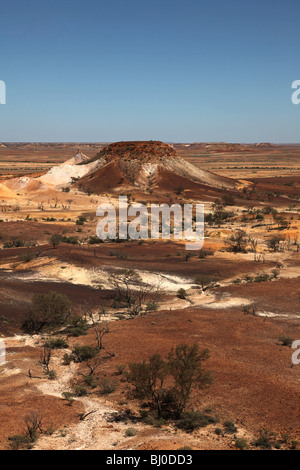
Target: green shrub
[67,359]
[182,294]
[55,240]
[265,440]
[77,326]
[56,343]
[79,391]
[241,444]
[107,387]
[183,370]
[51,374]
[230,427]
[84,353]
[192,420]
[69,397]
[47,311]
[90,381]
[18,442]
[27,257]
[218,431]
[121,368]
[286,340]
[131,432]
[204,281]
[262,277]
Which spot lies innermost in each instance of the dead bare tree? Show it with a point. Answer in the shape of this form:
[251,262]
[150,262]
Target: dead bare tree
[100,331]
[82,416]
[33,422]
[253,242]
[93,364]
[259,258]
[46,355]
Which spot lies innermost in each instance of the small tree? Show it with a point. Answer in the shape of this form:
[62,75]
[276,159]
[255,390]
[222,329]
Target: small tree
[148,379]
[55,240]
[185,365]
[168,384]
[132,292]
[182,294]
[237,242]
[33,422]
[228,199]
[274,243]
[46,355]
[47,311]
[205,281]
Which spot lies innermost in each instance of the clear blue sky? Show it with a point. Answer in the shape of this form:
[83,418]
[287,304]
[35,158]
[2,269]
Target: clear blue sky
[174,70]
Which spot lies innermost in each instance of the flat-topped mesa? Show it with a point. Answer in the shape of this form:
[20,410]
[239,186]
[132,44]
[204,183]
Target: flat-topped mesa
[142,151]
[152,167]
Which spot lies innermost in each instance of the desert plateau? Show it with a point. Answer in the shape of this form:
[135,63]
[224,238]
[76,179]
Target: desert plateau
[149,229]
[128,300]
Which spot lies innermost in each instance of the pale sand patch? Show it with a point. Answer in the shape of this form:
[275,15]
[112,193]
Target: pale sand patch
[212,301]
[10,372]
[57,271]
[277,315]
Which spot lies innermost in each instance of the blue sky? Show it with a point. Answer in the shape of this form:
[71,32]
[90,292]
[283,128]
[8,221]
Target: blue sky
[173,70]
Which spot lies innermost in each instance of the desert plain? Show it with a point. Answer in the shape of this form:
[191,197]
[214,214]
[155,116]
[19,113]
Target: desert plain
[238,297]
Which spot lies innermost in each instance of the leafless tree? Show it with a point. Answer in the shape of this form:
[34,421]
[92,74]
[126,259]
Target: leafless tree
[33,422]
[46,355]
[253,242]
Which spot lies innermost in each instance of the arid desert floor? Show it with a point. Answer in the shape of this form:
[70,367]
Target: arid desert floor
[243,305]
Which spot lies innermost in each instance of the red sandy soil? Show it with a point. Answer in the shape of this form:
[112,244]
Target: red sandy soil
[288,186]
[255,385]
[103,179]
[19,396]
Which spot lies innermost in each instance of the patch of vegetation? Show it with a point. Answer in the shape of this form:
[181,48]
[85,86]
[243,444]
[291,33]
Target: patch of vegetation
[192,420]
[69,397]
[237,243]
[205,281]
[56,343]
[266,439]
[107,387]
[55,240]
[79,391]
[47,312]
[131,432]
[230,427]
[182,294]
[81,220]
[77,326]
[84,353]
[182,370]
[286,340]
[241,444]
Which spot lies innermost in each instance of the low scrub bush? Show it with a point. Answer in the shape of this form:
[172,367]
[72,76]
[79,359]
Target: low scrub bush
[192,420]
[84,353]
[107,387]
[56,343]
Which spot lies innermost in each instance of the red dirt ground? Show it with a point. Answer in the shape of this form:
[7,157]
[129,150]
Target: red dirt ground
[255,385]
